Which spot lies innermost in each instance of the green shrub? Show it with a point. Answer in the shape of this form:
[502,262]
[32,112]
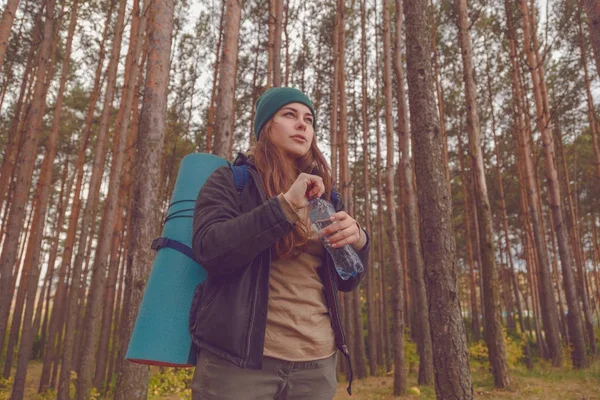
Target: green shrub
[513,344]
[172,381]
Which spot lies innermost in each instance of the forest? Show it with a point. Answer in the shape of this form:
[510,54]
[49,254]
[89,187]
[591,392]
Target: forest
[463,135]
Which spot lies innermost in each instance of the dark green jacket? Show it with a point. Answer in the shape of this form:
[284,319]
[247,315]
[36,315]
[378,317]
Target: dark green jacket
[232,239]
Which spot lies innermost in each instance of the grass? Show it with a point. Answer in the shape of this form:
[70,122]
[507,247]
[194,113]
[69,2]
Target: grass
[541,383]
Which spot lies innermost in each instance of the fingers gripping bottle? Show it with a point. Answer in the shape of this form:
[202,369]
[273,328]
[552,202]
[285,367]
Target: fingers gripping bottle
[346,261]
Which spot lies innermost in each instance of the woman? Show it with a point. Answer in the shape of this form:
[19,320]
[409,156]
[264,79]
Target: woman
[266,320]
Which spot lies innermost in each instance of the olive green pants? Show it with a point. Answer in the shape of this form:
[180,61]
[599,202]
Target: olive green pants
[219,379]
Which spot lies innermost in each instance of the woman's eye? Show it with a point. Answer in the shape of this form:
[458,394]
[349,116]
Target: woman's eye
[309,121]
[289,114]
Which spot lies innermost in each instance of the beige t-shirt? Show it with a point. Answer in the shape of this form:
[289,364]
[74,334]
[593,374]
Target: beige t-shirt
[298,322]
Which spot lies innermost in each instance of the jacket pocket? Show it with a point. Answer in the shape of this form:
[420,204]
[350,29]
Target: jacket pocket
[199,305]
[196,301]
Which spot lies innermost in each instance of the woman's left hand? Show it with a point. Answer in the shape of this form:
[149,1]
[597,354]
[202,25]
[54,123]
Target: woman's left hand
[342,231]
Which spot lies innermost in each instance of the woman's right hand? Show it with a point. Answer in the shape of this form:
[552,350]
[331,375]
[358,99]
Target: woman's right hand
[304,188]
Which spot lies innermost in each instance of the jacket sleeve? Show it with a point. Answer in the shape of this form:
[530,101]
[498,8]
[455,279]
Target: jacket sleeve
[225,239]
[351,284]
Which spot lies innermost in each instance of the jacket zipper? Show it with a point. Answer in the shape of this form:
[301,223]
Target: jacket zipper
[254,299]
[337,307]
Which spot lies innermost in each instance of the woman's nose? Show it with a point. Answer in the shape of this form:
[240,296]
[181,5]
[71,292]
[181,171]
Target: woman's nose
[301,125]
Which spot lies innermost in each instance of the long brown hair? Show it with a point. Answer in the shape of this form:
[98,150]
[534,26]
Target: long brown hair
[277,178]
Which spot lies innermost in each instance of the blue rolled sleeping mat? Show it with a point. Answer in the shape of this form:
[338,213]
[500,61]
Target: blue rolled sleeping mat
[160,335]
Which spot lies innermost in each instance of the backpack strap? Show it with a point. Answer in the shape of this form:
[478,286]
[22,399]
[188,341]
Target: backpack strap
[240,176]
[163,242]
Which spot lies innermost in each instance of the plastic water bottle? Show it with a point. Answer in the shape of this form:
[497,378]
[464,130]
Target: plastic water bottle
[346,261]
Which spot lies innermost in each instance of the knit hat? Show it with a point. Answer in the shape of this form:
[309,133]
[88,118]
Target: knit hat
[273,100]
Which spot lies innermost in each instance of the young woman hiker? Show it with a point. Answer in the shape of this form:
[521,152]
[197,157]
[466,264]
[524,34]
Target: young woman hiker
[266,321]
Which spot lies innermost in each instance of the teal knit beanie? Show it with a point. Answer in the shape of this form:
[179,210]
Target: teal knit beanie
[273,100]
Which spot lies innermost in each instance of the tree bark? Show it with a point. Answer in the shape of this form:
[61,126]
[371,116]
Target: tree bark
[579,355]
[413,241]
[475,327]
[592,8]
[400,373]
[211,107]
[227,78]
[549,312]
[132,380]
[8,17]
[109,215]
[370,274]
[90,208]
[277,20]
[450,356]
[32,259]
[24,169]
[493,323]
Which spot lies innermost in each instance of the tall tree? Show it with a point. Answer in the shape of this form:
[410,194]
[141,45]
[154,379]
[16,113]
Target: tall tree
[536,70]
[592,8]
[413,241]
[277,21]
[24,168]
[110,210]
[6,23]
[549,313]
[43,194]
[227,77]
[392,228]
[450,356]
[370,275]
[493,324]
[90,207]
[132,380]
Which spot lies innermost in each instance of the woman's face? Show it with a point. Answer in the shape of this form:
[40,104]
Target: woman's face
[292,130]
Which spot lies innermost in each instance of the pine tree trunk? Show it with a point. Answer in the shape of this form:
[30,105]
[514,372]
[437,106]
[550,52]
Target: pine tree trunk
[37,220]
[333,118]
[493,323]
[370,274]
[227,78]
[579,354]
[475,327]
[353,314]
[413,241]
[109,214]
[90,208]
[575,240]
[211,107]
[400,372]
[278,19]
[592,119]
[450,356]
[592,8]
[384,313]
[15,136]
[438,89]
[42,197]
[286,33]
[63,201]
[118,238]
[549,312]
[132,380]
[24,170]
[271,42]
[510,271]
[8,16]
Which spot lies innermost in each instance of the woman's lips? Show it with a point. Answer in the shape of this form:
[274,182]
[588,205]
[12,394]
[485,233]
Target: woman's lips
[299,138]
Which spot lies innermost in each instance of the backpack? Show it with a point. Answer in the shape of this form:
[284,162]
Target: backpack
[160,335]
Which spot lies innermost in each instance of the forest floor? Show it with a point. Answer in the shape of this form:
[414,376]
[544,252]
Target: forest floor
[543,383]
